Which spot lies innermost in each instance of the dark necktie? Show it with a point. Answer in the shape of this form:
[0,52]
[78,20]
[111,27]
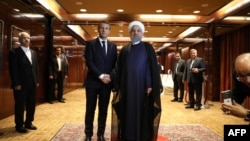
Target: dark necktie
[104,47]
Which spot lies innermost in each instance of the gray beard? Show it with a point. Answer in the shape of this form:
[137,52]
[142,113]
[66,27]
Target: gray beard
[135,39]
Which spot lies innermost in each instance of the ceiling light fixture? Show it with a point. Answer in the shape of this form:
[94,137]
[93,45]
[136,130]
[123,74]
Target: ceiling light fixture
[53,7]
[120,10]
[159,11]
[184,17]
[17,10]
[78,3]
[83,10]
[92,16]
[196,11]
[78,30]
[236,6]
[33,15]
[237,18]
[188,31]
[151,16]
[167,18]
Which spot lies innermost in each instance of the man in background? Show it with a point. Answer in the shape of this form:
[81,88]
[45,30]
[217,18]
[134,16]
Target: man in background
[193,74]
[58,72]
[23,67]
[177,74]
[241,87]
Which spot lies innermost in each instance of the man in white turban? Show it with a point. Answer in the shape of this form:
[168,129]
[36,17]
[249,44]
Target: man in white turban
[136,103]
[136,25]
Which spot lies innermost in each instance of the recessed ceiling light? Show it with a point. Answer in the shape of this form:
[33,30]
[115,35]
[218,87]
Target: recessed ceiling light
[120,10]
[17,10]
[159,11]
[83,10]
[204,5]
[196,11]
[78,3]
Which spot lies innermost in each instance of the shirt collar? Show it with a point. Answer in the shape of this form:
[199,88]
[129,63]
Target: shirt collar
[135,43]
[100,39]
[25,48]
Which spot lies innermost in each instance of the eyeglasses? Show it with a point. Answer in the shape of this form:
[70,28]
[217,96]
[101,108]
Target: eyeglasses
[243,78]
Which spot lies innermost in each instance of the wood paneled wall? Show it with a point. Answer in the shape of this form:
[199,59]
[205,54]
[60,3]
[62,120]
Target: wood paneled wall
[13,24]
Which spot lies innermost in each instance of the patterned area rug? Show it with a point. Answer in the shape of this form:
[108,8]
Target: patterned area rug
[167,132]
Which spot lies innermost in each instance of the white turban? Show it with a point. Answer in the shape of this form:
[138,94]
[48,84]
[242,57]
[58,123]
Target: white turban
[140,24]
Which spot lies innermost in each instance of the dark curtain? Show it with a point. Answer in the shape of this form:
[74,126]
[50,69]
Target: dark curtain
[231,45]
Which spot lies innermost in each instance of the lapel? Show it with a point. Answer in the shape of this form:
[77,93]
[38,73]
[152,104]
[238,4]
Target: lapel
[189,62]
[195,60]
[32,56]
[25,56]
[108,46]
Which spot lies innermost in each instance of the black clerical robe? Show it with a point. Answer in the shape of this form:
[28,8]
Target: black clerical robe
[135,114]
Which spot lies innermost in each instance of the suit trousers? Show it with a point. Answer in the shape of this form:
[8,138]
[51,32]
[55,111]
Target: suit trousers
[178,85]
[24,99]
[197,88]
[59,82]
[102,95]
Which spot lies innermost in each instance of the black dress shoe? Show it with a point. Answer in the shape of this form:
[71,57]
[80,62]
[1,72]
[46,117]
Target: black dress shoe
[101,138]
[62,101]
[180,100]
[31,127]
[189,106]
[21,130]
[87,138]
[174,100]
[197,108]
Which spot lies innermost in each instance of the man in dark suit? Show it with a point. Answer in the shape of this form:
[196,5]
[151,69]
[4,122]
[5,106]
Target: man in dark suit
[100,55]
[23,67]
[58,72]
[193,74]
[177,74]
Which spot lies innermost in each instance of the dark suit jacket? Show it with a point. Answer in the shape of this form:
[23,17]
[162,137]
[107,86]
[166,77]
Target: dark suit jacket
[53,66]
[98,63]
[22,72]
[194,77]
[180,69]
